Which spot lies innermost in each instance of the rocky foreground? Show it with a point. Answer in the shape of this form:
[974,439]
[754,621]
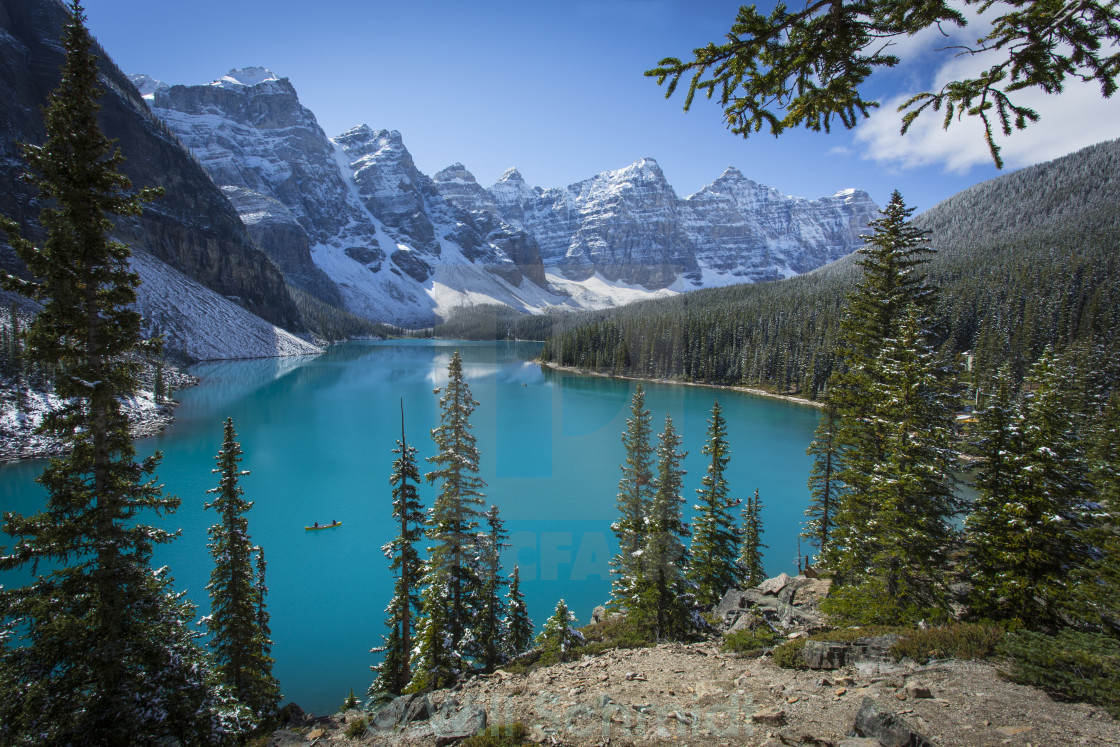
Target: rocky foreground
[700,694]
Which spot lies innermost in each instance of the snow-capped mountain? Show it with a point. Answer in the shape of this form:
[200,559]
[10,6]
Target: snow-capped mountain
[352,220]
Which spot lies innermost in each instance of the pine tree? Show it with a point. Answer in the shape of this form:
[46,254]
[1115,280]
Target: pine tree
[236,640]
[490,624]
[750,557]
[559,637]
[1096,584]
[105,652]
[159,390]
[824,482]
[715,542]
[997,439]
[263,617]
[394,672]
[1032,540]
[664,596]
[895,436]
[635,490]
[518,624]
[452,580]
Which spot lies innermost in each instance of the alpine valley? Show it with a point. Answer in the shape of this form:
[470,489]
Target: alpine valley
[269,225]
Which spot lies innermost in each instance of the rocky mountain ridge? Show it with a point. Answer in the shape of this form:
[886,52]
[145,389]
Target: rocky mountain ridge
[404,247]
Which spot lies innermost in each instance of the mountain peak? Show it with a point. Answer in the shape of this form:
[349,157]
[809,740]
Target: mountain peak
[246,76]
[147,85]
[455,172]
[511,175]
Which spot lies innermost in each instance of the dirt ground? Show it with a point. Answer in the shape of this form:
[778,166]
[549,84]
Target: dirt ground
[698,694]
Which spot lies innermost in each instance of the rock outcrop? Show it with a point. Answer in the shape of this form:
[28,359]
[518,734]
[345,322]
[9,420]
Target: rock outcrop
[784,602]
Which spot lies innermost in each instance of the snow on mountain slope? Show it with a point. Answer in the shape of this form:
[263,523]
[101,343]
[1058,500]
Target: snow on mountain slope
[201,324]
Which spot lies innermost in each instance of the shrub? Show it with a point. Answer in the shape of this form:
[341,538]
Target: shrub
[956,640]
[501,735]
[788,655]
[356,728]
[869,604]
[1070,665]
[750,643]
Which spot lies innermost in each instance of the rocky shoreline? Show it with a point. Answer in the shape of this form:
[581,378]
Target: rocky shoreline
[674,382]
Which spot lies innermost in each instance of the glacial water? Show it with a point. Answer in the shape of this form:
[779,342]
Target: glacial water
[317,435]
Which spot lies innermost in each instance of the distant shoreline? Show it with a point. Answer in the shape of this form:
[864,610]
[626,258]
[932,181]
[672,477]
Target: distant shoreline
[672,382]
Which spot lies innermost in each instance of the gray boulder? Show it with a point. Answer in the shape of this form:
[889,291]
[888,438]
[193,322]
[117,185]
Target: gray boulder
[454,721]
[401,711]
[829,655]
[875,722]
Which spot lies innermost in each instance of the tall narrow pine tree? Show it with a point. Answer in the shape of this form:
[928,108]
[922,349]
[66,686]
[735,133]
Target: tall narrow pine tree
[236,639]
[452,582]
[664,598]
[395,672]
[824,480]
[489,625]
[105,652]
[715,542]
[750,556]
[635,491]
[518,625]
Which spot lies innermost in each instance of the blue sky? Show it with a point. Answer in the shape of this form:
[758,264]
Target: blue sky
[556,89]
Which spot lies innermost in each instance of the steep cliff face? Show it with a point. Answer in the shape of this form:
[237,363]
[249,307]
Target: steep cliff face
[745,231]
[193,227]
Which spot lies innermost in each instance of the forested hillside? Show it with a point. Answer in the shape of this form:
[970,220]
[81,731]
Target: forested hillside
[1024,261]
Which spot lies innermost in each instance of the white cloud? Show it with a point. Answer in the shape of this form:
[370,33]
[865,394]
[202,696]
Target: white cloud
[1073,119]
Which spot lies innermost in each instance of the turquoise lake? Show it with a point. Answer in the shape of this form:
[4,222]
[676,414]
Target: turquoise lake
[317,435]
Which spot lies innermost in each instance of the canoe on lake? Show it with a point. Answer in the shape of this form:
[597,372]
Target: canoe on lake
[332,525]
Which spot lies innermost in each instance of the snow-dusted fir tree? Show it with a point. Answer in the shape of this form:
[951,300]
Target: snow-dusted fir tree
[237,642]
[664,597]
[715,541]
[750,556]
[559,637]
[1032,538]
[452,580]
[635,490]
[895,407]
[1096,585]
[518,625]
[394,672]
[98,647]
[824,482]
[897,520]
[489,627]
